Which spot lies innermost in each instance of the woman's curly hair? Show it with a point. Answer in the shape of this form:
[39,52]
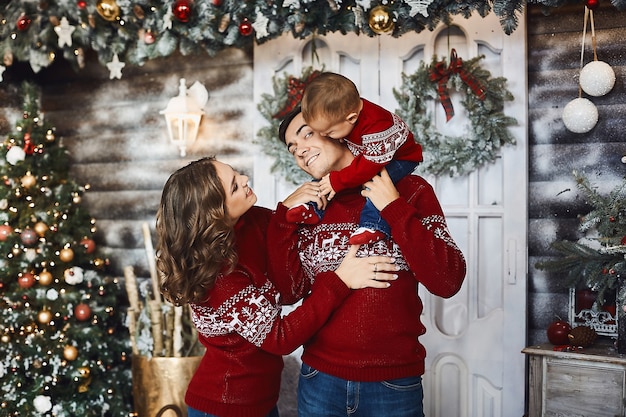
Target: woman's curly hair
[195,239]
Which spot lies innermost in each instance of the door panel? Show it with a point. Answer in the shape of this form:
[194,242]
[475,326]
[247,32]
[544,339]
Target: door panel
[474,366]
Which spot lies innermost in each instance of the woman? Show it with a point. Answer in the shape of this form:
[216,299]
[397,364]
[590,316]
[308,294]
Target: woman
[212,254]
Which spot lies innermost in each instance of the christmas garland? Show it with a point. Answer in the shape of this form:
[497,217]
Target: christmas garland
[288,91]
[483,101]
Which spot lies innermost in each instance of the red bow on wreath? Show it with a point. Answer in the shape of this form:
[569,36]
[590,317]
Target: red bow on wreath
[440,74]
[295,90]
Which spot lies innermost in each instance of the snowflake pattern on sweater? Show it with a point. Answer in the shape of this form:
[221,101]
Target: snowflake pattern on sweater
[380,147]
[325,245]
[249,313]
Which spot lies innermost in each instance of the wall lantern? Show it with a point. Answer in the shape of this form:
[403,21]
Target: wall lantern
[183,114]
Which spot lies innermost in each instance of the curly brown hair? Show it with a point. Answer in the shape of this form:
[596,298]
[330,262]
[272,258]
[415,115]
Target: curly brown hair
[195,239]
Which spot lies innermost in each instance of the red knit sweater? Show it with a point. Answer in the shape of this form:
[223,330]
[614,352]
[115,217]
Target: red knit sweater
[378,137]
[373,335]
[241,327]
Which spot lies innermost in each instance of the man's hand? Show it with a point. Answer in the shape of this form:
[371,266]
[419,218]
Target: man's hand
[380,190]
[307,192]
[326,188]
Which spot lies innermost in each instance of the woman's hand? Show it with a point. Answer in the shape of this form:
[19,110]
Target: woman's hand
[371,271]
[380,190]
[307,192]
[326,187]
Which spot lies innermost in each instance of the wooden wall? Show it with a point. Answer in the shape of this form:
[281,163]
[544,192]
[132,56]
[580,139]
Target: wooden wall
[118,141]
[554,51]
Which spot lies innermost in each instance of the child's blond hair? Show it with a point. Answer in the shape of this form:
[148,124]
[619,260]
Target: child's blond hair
[331,96]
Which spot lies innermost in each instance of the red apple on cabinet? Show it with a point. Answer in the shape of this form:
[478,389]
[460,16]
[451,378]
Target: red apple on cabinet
[558,331]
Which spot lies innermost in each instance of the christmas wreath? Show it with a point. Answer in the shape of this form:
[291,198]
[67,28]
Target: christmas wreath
[288,91]
[483,100]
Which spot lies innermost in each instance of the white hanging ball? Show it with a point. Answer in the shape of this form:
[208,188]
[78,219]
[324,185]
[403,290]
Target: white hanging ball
[580,115]
[15,155]
[597,78]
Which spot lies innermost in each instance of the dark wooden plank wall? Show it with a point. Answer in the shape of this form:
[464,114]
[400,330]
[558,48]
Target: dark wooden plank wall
[554,49]
[118,141]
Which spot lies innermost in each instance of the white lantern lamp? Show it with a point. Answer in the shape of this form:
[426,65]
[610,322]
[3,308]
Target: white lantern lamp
[183,114]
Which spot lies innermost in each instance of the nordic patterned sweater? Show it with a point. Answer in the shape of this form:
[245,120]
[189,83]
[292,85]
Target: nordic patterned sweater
[378,137]
[373,335]
[241,327]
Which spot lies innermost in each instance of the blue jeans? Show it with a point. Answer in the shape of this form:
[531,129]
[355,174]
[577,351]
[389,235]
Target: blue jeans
[323,395]
[370,216]
[192,412]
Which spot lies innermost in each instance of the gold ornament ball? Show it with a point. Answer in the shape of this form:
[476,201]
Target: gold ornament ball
[44,317]
[5,338]
[40,228]
[50,136]
[28,180]
[45,278]
[70,353]
[108,9]
[380,20]
[66,255]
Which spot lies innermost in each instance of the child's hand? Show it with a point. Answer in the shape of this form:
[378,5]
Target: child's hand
[326,188]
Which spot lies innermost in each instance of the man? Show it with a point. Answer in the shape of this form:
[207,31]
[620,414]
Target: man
[366,360]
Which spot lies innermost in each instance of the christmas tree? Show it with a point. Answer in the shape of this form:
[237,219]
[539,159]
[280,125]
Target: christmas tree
[597,261]
[63,346]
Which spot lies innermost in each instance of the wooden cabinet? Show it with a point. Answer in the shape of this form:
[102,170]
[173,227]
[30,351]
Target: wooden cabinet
[586,383]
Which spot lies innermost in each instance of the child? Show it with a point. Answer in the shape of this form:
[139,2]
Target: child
[332,106]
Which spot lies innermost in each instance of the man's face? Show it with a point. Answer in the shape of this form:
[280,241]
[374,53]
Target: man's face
[314,154]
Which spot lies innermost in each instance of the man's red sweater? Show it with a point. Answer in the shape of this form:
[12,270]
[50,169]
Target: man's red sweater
[373,335]
[243,332]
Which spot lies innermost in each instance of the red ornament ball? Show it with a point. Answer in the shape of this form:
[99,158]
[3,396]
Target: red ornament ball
[26,280]
[182,10]
[23,23]
[5,232]
[558,331]
[216,3]
[245,27]
[81,4]
[82,312]
[89,245]
[592,4]
[28,237]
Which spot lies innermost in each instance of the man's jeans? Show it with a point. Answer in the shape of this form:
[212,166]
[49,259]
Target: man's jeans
[323,395]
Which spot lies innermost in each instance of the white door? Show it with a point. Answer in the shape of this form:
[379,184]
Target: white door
[474,366]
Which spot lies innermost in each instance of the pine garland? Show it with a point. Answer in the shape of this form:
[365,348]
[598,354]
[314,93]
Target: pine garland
[149,29]
[489,131]
[596,262]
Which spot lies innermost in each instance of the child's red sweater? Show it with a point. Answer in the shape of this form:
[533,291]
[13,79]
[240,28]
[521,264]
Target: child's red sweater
[378,137]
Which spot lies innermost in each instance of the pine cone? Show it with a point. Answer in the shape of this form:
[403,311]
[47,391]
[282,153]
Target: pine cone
[582,336]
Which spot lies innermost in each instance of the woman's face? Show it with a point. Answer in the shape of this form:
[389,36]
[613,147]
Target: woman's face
[239,196]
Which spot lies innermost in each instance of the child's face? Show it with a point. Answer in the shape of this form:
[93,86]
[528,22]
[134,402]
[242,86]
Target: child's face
[331,129]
